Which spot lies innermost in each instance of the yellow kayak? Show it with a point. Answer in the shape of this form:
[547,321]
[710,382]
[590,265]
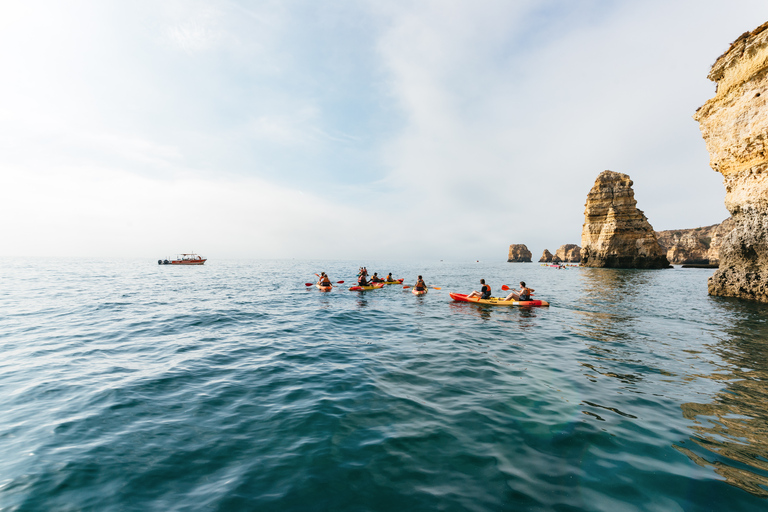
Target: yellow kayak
[365,288]
[497,301]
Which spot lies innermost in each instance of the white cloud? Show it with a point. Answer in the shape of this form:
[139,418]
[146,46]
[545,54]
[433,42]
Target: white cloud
[460,127]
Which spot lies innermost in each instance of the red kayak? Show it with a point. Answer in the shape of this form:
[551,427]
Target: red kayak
[497,301]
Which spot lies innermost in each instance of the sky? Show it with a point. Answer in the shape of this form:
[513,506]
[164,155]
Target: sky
[354,130]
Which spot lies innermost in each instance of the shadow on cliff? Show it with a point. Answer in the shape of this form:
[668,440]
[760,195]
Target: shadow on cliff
[731,431]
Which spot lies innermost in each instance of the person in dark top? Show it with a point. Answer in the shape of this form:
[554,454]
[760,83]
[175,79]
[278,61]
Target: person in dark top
[362,281]
[375,278]
[389,278]
[420,285]
[324,281]
[523,295]
[484,293]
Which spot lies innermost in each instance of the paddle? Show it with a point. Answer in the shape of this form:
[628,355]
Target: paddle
[507,288]
[410,285]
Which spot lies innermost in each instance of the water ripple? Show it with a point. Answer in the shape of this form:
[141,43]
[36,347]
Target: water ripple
[128,386]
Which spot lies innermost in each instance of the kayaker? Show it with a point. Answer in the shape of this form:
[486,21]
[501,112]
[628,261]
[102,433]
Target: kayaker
[484,293]
[389,278]
[324,281]
[523,295]
[376,279]
[362,281]
[420,285]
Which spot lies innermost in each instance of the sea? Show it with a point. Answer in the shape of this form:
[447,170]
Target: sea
[131,386]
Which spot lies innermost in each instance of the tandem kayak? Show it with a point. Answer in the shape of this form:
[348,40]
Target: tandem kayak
[366,288]
[324,288]
[497,301]
[418,292]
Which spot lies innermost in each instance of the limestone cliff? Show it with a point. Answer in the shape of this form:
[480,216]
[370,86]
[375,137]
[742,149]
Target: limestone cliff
[546,257]
[569,253]
[616,233]
[734,124]
[698,246]
[519,253]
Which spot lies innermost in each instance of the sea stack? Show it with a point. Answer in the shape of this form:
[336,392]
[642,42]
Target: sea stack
[734,124]
[616,234]
[519,253]
[546,257]
[569,253]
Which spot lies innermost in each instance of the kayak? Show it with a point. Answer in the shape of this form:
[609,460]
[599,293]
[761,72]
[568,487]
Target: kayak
[365,288]
[418,292]
[497,301]
[396,281]
[324,288]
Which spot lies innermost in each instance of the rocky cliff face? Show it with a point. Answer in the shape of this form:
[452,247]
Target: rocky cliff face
[569,253]
[699,246]
[519,253]
[546,257]
[616,234]
[734,124]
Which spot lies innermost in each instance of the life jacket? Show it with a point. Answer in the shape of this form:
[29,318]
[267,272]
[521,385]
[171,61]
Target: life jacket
[486,289]
[325,281]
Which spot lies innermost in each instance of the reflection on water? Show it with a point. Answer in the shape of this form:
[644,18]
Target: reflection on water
[603,300]
[524,315]
[732,430]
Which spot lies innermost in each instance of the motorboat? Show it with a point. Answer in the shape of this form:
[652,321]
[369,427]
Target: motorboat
[184,259]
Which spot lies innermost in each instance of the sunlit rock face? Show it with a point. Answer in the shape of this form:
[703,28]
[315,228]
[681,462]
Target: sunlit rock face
[519,253]
[616,234]
[569,253]
[695,246]
[546,257]
[734,124]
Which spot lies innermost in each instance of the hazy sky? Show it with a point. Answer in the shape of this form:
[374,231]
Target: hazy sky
[349,129]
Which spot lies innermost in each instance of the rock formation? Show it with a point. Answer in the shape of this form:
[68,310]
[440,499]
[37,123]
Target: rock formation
[569,253]
[616,234]
[698,246]
[519,253]
[546,257]
[734,124]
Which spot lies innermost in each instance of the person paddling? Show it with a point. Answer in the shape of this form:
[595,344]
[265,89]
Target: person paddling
[523,295]
[389,278]
[375,278]
[324,280]
[420,285]
[484,293]
[362,281]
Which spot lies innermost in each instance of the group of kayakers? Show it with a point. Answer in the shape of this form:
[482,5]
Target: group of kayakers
[485,292]
[362,278]
[524,294]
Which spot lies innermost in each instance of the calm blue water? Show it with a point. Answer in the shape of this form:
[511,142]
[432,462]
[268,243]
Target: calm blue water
[131,386]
